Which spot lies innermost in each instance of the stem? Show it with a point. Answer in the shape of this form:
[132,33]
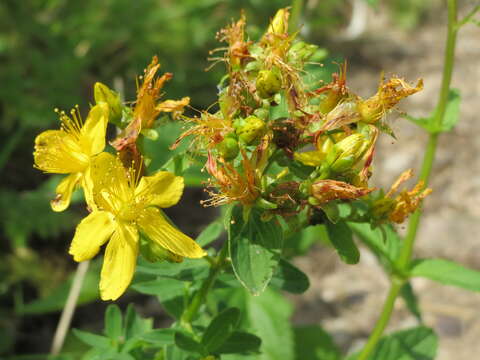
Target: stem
[296,13]
[404,259]
[200,296]
[69,309]
[429,157]
[382,322]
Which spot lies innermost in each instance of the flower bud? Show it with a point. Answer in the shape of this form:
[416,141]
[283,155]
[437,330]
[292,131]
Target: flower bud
[346,152]
[103,94]
[250,129]
[279,24]
[228,147]
[150,134]
[268,83]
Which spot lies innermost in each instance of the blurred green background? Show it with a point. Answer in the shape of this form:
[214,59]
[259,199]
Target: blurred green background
[51,53]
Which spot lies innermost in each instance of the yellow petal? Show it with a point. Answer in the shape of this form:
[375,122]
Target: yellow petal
[64,192]
[59,152]
[87,185]
[92,232]
[110,184]
[153,223]
[94,130]
[119,262]
[163,189]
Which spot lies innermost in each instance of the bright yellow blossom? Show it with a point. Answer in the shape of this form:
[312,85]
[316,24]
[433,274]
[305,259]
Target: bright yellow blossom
[127,205]
[70,151]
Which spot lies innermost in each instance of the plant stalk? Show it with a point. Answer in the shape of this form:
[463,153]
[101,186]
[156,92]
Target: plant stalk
[69,309]
[382,322]
[427,164]
[200,296]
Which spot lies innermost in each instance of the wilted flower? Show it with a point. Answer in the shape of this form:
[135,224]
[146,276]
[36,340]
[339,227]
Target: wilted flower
[147,108]
[406,202]
[70,151]
[388,95]
[324,191]
[127,205]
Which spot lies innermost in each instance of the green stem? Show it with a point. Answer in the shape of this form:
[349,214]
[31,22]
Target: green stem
[382,322]
[296,13]
[429,157]
[201,295]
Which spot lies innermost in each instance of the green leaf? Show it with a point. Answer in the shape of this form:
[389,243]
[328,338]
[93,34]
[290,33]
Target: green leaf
[93,340]
[165,288]
[314,343]
[423,122]
[447,272]
[170,293]
[384,242]
[160,337]
[240,342]
[372,3]
[289,278]
[134,324]
[269,316]
[452,110]
[187,270]
[185,342]
[408,295]
[113,322]
[254,248]
[450,119]
[210,233]
[414,344]
[341,238]
[220,329]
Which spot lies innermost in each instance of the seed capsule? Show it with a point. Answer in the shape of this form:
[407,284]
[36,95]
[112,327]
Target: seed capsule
[228,147]
[250,129]
[268,83]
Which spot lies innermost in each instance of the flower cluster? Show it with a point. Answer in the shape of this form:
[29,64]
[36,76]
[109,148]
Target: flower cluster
[275,143]
[281,145]
[124,204]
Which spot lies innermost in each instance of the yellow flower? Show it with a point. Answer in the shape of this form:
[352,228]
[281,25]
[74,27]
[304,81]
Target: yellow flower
[70,150]
[125,207]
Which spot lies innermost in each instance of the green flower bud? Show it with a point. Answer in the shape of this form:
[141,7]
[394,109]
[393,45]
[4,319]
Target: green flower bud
[265,204]
[347,152]
[268,83]
[228,147]
[102,93]
[150,134]
[250,129]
